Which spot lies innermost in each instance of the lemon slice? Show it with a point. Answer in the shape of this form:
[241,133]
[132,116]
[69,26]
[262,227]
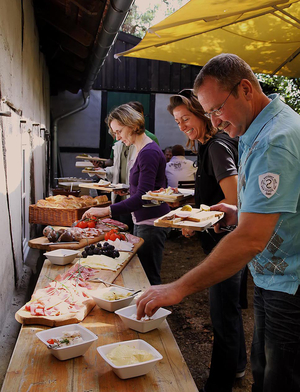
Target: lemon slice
[187,207]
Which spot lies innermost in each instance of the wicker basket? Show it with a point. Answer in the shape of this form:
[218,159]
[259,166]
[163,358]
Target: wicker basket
[57,216]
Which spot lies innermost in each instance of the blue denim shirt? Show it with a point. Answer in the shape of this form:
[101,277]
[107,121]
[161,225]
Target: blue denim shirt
[269,182]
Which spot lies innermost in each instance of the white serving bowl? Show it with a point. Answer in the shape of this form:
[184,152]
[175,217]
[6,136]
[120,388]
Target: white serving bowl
[61,256]
[135,370]
[111,306]
[76,350]
[142,325]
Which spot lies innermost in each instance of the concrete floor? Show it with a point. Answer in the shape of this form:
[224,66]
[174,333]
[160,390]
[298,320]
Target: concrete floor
[10,329]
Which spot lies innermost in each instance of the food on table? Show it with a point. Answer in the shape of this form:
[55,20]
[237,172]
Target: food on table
[68,338]
[187,207]
[127,355]
[66,295]
[101,261]
[145,318]
[114,224]
[115,295]
[62,201]
[71,234]
[105,249]
[113,234]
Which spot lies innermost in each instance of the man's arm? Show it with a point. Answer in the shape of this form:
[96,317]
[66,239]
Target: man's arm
[231,254]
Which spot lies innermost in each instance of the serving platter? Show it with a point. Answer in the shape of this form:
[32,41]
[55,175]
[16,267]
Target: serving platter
[108,188]
[89,158]
[181,195]
[197,219]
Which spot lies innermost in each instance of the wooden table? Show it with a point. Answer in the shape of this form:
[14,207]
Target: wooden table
[32,368]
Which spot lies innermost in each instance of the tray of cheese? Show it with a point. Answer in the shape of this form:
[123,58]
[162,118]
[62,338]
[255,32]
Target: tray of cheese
[197,219]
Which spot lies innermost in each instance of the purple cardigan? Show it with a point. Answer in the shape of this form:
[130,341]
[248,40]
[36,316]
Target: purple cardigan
[147,174]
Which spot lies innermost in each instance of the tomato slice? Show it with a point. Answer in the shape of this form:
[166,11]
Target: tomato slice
[50,341]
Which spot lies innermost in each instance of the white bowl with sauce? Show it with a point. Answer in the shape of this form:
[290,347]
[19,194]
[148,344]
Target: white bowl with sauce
[131,370]
[100,297]
[143,325]
[67,352]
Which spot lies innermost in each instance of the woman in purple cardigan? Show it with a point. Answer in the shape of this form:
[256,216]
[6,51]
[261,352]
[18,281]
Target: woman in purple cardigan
[146,174]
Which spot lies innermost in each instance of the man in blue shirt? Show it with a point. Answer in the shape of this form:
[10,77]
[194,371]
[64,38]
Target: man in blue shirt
[268,215]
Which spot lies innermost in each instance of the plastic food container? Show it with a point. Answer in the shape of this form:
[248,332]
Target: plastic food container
[142,325]
[61,256]
[68,352]
[134,370]
[113,305]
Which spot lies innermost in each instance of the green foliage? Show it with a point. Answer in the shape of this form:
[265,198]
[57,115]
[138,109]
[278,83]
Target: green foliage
[288,88]
[138,23]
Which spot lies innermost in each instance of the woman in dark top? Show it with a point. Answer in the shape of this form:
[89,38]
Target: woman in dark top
[147,173]
[216,181]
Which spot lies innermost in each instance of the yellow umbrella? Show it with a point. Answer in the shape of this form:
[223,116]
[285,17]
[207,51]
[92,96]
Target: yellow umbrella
[266,34]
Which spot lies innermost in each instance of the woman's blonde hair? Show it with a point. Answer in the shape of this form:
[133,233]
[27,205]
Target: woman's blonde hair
[127,116]
[187,97]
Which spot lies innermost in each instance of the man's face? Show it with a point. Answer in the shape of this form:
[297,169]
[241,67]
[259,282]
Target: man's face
[233,116]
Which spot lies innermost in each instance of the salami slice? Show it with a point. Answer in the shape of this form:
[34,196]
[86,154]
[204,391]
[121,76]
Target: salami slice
[115,223]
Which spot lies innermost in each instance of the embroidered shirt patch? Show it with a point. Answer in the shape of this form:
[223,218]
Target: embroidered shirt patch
[268,184]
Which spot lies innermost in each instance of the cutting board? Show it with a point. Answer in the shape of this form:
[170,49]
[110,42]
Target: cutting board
[43,243]
[51,271]
[207,219]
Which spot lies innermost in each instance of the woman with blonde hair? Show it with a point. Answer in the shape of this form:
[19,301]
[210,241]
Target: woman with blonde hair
[216,181]
[147,173]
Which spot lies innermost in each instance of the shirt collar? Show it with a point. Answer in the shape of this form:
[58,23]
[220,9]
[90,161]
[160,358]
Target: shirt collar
[268,112]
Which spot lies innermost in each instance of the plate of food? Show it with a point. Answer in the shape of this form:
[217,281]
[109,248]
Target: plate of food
[169,194]
[197,219]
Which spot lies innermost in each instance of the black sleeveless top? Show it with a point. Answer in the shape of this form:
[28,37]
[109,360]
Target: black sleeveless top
[217,159]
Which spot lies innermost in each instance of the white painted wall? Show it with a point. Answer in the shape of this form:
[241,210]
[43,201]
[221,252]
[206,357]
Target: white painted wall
[24,91]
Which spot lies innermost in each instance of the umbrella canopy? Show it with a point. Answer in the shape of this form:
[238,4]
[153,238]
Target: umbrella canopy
[266,34]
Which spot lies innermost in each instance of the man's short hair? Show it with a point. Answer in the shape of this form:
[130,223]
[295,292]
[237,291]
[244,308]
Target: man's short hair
[228,69]
[178,150]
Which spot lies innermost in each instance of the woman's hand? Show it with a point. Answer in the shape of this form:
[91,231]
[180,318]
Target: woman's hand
[188,233]
[230,217]
[95,211]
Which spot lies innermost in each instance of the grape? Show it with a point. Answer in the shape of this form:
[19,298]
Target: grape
[84,254]
[92,246]
[86,248]
[99,245]
[90,252]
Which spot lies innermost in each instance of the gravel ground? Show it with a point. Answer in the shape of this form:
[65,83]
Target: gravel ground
[190,320]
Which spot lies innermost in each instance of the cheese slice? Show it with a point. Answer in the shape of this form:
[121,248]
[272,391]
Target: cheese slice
[104,262]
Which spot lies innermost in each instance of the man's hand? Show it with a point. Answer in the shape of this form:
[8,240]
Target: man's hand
[230,217]
[156,297]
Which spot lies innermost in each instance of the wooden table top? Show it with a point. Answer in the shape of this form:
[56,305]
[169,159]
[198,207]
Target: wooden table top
[32,367]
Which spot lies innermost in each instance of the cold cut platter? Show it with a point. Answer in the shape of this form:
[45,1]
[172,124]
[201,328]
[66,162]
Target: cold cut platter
[197,219]
[63,296]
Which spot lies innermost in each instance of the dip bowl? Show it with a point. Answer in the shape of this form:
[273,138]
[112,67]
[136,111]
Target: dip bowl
[111,305]
[133,370]
[72,351]
[61,256]
[127,316]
